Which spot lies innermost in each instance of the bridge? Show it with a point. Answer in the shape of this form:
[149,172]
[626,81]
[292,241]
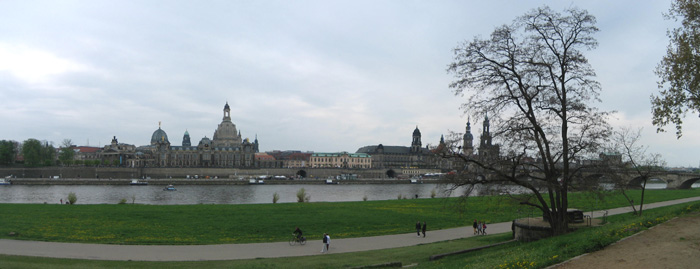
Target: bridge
[674,180]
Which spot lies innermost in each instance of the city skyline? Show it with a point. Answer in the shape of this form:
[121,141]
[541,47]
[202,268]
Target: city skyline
[310,76]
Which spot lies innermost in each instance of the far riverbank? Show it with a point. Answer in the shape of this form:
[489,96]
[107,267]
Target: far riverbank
[210,181]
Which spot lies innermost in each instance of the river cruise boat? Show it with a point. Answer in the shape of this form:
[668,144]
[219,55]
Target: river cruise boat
[136,182]
[170,188]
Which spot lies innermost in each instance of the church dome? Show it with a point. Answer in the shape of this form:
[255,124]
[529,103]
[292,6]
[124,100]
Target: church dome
[416,132]
[205,141]
[159,136]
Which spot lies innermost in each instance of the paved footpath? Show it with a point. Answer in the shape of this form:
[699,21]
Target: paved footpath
[257,250]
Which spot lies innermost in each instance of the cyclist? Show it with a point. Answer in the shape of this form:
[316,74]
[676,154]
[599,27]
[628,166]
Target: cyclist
[298,233]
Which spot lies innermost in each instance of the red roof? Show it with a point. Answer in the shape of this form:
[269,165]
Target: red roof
[84,149]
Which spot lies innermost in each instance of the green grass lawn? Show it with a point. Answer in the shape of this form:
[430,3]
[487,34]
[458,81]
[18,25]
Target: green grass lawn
[537,254]
[218,224]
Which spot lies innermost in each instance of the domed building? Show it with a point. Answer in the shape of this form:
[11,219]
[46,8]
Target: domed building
[226,149]
[159,137]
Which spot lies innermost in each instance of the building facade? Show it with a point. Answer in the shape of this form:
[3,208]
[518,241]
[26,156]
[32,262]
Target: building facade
[340,160]
[414,156]
[225,149]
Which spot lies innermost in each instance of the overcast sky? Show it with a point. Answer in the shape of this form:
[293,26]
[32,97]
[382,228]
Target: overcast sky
[320,76]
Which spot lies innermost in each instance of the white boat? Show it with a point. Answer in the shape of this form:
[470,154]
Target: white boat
[170,188]
[5,181]
[136,182]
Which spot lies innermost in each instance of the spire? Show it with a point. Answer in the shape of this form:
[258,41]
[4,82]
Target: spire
[227,112]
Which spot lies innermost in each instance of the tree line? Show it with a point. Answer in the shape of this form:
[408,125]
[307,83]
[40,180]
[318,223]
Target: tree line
[35,153]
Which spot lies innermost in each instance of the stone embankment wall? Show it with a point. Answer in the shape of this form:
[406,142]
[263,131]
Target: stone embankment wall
[200,176]
[85,173]
[201,181]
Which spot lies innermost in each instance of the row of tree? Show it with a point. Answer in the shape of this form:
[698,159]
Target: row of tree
[37,153]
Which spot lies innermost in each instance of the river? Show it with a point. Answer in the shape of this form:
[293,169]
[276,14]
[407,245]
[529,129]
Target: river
[232,194]
[216,194]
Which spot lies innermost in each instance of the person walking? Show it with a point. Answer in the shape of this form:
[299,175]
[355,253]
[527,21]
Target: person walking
[328,242]
[478,228]
[483,228]
[325,243]
[474,225]
[418,228]
[423,229]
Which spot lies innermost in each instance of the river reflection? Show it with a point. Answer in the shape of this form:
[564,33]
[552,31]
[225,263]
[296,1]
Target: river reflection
[238,194]
[217,194]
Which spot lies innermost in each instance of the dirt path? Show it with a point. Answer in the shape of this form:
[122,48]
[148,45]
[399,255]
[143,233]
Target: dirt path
[673,244]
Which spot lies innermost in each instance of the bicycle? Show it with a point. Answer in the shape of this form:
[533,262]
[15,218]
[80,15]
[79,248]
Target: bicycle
[301,240]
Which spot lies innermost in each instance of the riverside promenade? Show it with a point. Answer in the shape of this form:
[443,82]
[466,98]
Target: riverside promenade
[260,250]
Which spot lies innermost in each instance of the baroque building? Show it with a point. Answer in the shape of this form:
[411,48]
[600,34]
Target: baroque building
[340,160]
[414,156]
[487,151]
[225,149]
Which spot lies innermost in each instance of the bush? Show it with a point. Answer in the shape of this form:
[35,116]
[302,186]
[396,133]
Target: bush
[302,196]
[122,201]
[72,198]
[275,198]
[364,198]
[432,193]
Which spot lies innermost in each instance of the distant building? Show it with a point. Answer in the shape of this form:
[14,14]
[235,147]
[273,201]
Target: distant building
[340,160]
[85,153]
[414,156]
[265,160]
[487,151]
[292,158]
[117,153]
[226,149]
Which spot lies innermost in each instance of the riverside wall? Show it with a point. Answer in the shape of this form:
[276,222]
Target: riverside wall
[119,175]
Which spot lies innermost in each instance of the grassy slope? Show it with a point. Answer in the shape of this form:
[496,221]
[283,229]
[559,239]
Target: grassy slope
[513,255]
[216,224]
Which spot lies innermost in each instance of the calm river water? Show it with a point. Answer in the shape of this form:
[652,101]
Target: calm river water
[215,194]
[227,194]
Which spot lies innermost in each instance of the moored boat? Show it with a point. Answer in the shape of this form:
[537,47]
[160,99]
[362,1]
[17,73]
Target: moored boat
[170,188]
[136,182]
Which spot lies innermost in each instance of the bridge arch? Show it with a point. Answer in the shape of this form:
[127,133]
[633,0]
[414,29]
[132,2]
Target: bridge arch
[688,184]
[636,183]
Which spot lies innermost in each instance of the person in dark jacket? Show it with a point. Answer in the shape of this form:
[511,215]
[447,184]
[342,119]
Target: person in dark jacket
[418,228]
[423,229]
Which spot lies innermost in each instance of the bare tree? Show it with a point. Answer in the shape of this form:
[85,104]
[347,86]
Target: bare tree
[633,160]
[531,79]
[66,153]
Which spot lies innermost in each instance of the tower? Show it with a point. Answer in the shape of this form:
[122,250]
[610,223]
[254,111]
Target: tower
[486,133]
[256,146]
[468,140]
[416,144]
[227,113]
[488,151]
[186,139]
